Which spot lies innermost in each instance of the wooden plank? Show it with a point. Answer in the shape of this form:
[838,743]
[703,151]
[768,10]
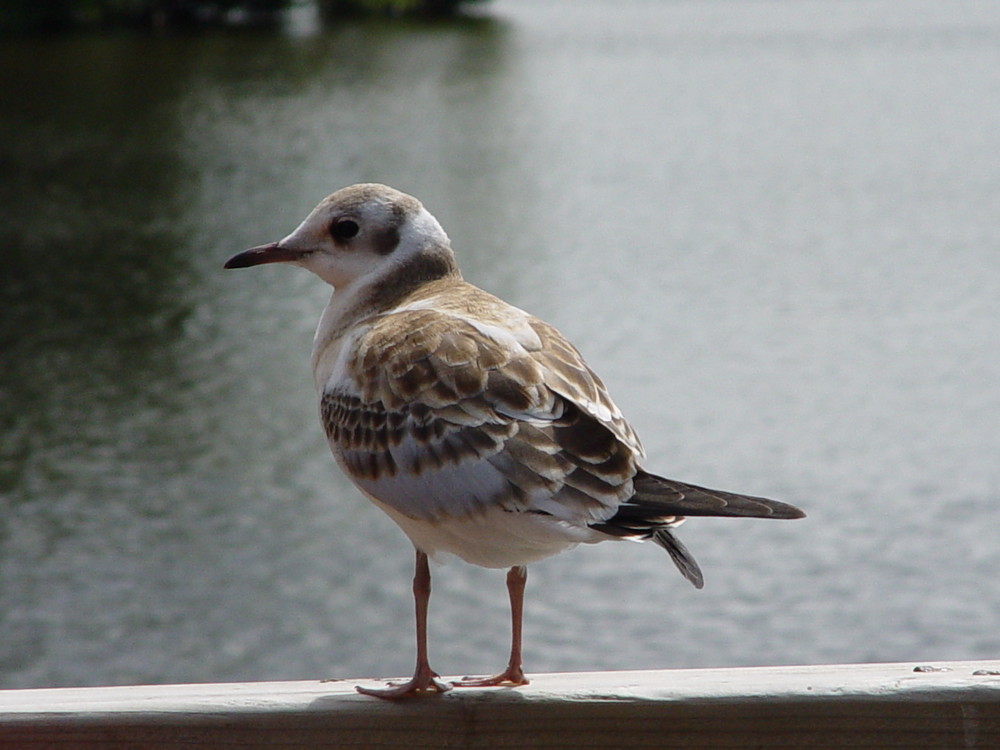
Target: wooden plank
[949,705]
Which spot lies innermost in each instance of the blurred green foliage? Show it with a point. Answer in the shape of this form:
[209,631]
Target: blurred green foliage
[44,15]
[32,15]
[391,7]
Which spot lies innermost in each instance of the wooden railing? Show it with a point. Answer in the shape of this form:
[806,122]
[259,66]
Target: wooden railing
[913,705]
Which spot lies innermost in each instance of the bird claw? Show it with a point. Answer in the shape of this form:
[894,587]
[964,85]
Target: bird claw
[511,677]
[419,684]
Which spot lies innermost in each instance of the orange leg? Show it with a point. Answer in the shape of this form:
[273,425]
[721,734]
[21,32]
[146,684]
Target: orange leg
[517,577]
[424,678]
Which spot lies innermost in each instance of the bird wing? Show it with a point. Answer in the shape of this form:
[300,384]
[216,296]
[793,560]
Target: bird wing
[571,377]
[656,495]
[448,412]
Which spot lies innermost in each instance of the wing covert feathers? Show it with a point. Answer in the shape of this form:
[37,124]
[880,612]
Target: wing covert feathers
[439,396]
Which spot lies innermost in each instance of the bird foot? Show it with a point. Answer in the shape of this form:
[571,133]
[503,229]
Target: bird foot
[423,682]
[512,676]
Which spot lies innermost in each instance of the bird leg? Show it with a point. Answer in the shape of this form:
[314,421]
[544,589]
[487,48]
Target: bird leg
[517,577]
[425,679]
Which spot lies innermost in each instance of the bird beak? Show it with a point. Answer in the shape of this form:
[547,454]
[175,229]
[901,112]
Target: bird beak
[273,252]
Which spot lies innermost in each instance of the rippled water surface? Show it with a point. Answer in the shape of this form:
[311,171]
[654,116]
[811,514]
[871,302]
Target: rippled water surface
[771,226]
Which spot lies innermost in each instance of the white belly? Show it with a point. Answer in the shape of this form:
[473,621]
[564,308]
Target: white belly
[493,538]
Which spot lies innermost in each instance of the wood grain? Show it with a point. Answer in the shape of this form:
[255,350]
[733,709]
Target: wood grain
[947,705]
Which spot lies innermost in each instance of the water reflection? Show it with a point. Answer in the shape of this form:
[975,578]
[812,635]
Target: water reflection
[781,262]
[140,520]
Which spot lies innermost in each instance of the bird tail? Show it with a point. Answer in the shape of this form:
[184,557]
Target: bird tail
[660,504]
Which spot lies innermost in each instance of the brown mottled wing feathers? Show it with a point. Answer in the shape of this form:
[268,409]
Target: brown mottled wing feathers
[571,377]
[451,416]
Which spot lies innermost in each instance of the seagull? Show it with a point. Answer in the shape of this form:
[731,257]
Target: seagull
[475,426]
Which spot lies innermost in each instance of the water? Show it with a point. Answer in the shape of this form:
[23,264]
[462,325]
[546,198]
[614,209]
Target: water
[772,227]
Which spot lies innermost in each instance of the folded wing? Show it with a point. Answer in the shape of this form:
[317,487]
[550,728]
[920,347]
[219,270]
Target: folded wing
[448,416]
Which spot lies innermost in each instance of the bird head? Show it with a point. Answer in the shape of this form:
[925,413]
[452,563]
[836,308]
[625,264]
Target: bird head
[356,232]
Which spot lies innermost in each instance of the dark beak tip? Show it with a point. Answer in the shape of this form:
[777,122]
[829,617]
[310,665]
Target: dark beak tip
[255,256]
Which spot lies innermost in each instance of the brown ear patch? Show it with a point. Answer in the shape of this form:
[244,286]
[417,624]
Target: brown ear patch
[385,240]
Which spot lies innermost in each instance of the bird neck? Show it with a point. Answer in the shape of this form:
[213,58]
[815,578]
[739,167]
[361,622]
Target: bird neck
[376,293]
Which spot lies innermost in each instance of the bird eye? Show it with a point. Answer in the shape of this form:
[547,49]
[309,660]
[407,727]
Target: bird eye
[344,229]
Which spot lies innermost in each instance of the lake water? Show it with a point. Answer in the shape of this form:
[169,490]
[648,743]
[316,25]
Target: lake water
[771,226]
